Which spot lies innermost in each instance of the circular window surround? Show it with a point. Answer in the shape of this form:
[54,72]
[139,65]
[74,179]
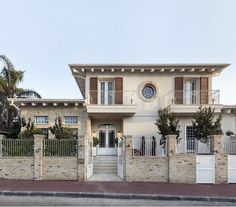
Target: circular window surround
[141,87]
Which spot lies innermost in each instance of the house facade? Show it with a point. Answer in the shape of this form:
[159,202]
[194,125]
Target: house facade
[123,100]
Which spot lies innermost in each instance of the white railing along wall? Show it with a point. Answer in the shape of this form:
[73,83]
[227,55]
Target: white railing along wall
[193,97]
[194,146]
[147,147]
[229,145]
[109,97]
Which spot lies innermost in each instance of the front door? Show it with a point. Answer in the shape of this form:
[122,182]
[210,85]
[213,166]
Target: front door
[107,144]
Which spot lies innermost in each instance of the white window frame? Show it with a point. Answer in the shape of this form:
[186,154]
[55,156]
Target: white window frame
[36,121]
[106,81]
[77,120]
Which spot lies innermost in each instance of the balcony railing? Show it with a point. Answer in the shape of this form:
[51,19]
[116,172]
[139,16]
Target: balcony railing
[192,97]
[111,97]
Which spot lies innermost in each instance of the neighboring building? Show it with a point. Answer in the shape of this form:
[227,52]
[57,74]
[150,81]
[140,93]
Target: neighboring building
[123,100]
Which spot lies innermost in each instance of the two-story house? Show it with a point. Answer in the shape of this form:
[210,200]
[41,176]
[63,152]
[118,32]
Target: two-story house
[121,100]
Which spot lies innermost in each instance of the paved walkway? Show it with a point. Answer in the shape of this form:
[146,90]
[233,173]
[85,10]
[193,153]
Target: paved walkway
[222,190]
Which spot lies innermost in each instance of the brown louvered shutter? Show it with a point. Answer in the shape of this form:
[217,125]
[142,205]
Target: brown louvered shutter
[93,90]
[118,90]
[204,90]
[178,90]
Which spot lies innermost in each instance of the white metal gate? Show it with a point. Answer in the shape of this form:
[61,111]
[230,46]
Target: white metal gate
[121,158]
[89,150]
[205,167]
[231,168]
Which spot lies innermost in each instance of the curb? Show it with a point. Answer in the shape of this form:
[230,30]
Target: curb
[119,196]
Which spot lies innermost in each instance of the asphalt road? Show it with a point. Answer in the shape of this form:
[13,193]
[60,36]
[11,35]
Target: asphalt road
[61,201]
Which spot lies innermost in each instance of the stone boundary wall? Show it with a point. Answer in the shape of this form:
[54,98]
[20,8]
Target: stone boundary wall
[174,168]
[39,167]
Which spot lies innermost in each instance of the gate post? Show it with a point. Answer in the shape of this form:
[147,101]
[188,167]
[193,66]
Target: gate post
[221,161]
[38,156]
[128,156]
[81,158]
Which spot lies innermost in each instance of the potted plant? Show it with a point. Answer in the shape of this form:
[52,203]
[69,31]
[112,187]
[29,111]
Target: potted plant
[230,134]
[95,146]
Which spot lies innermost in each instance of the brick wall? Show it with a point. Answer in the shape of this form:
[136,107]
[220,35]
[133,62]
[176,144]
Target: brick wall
[182,168]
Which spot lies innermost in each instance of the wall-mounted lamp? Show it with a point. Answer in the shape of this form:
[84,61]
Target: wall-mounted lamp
[94,134]
[119,134]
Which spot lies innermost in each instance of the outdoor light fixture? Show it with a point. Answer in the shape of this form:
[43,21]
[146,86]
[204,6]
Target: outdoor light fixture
[94,134]
[119,134]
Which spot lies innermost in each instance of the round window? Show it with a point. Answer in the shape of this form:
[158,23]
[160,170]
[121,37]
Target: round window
[149,91]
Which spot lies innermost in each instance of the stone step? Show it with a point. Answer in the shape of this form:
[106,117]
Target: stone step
[105,171]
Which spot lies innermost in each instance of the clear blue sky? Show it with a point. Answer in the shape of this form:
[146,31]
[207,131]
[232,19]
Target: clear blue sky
[43,36]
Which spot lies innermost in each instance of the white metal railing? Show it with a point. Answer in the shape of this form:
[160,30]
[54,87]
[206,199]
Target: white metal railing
[194,146]
[111,97]
[193,97]
[147,147]
[229,145]
[17,147]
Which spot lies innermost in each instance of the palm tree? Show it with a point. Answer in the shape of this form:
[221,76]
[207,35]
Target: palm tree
[9,81]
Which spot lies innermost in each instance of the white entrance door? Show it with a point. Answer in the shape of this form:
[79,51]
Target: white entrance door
[231,168]
[205,166]
[106,93]
[121,156]
[89,169]
[107,145]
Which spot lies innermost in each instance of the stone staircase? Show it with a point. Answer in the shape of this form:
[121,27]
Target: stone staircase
[105,165]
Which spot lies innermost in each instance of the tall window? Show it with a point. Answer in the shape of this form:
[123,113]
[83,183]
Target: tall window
[71,119]
[106,92]
[41,119]
[190,139]
[190,92]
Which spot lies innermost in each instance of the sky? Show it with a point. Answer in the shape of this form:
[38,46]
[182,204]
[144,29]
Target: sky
[42,37]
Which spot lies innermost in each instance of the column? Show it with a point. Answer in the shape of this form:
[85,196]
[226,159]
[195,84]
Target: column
[38,156]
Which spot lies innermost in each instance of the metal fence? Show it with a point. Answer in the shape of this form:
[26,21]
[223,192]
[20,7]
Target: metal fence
[60,147]
[229,145]
[144,147]
[17,147]
[194,146]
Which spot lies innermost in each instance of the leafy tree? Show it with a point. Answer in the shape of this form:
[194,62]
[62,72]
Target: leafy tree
[9,81]
[59,131]
[167,124]
[205,124]
[29,130]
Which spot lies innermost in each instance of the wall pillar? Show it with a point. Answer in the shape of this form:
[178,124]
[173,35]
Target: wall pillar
[1,138]
[221,161]
[38,156]
[128,141]
[81,157]
[171,145]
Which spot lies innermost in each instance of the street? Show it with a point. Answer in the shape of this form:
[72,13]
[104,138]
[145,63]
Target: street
[62,201]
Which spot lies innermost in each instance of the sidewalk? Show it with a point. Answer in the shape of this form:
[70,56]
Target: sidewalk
[120,189]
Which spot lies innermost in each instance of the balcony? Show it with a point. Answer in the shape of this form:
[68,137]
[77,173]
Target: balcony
[185,102]
[109,103]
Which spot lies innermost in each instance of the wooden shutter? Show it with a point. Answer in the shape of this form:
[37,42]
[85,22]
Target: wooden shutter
[178,90]
[118,90]
[93,91]
[204,90]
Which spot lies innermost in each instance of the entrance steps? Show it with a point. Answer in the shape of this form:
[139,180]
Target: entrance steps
[105,165]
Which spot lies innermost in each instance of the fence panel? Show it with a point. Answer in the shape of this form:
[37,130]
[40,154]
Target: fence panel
[144,147]
[229,145]
[60,147]
[17,147]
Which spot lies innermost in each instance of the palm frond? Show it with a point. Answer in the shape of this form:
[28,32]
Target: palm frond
[27,93]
